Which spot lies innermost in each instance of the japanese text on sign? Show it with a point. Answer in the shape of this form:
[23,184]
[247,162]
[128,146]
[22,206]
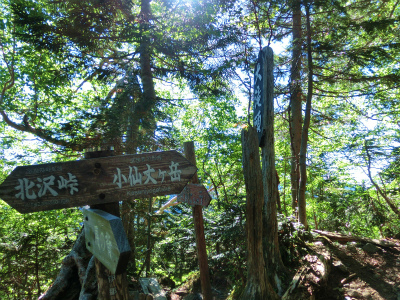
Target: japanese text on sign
[103,242]
[149,176]
[29,190]
[257,98]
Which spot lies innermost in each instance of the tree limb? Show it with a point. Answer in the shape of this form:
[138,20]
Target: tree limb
[382,193]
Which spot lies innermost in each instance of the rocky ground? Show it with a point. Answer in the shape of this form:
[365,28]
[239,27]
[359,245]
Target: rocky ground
[363,271]
[339,271]
[334,269]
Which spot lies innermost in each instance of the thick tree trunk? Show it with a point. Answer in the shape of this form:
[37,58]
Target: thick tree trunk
[143,102]
[149,94]
[296,96]
[304,135]
[258,286]
[272,256]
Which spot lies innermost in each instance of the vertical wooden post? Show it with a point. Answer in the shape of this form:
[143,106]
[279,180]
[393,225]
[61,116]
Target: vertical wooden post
[273,259]
[199,231]
[110,286]
[148,253]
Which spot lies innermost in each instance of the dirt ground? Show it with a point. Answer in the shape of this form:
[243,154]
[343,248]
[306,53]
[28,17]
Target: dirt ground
[360,274]
[354,271]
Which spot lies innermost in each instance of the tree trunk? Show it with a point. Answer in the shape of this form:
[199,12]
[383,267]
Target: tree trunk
[296,96]
[76,278]
[304,135]
[141,108]
[272,256]
[258,286]
[149,94]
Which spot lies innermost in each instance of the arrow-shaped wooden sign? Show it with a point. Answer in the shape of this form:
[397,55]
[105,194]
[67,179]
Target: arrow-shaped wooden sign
[97,180]
[106,239]
[194,194]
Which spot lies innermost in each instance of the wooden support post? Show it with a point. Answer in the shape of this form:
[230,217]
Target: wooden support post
[110,286]
[199,231]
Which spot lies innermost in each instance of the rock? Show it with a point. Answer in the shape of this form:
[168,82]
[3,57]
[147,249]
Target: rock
[196,296]
[354,293]
[370,248]
[167,281]
[366,295]
[340,266]
[352,248]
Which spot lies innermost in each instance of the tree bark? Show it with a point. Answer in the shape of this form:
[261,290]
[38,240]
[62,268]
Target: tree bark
[143,102]
[296,95]
[258,285]
[149,94]
[75,276]
[272,256]
[304,134]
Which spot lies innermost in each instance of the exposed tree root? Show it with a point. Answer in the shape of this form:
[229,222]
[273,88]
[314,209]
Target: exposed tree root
[76,278]
[341,238]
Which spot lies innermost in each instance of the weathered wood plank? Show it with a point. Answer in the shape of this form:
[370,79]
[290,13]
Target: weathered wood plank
[194,194]
[96,181]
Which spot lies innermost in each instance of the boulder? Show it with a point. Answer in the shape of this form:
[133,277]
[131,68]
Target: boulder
[370,248]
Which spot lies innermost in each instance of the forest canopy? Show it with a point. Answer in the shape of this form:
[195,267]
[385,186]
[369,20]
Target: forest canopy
[144,76]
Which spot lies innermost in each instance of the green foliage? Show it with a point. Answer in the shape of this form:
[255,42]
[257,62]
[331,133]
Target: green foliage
[71,77]
[175,255]
[32,247]
[225,235]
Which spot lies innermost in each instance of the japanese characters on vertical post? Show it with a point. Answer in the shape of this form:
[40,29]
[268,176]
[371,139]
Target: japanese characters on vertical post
[258,97]
[95,181]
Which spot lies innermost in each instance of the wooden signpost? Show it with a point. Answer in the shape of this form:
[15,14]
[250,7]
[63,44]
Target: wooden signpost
[96,181]
[194,194]
[106,239]
[199,231]
[102,181]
